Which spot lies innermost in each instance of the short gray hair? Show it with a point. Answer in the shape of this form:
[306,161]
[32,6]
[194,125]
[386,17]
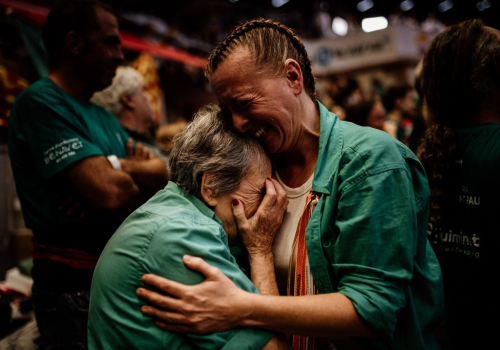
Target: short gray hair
[126,81]
[211,145]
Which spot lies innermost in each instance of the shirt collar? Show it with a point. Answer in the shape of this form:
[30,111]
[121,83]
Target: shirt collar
[331,139]
[171,186]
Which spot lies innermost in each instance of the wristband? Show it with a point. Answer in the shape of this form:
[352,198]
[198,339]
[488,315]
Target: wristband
[115,163]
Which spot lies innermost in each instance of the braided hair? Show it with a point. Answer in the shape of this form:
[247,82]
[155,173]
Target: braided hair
[271,44]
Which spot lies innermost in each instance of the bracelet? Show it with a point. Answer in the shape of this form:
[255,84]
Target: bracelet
[115,163]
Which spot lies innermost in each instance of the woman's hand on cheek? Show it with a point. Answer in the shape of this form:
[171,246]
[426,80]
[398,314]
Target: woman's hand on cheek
[258,232]
[211,306]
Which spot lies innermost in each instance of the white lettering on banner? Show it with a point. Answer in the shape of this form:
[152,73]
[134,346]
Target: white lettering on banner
[325,54]
[397,43]
[62,150]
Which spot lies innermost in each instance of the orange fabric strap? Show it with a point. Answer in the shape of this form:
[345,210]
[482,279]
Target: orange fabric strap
[299,278]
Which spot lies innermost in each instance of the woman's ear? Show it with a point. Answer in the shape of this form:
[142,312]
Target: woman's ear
[208,194]
[294,75]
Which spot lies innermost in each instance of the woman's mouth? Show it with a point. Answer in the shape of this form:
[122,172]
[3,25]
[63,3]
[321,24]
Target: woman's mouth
[262,131]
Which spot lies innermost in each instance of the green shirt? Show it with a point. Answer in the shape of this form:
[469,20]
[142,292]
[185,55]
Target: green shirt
[466,238]
[154,239]
[367,237]
[48,131]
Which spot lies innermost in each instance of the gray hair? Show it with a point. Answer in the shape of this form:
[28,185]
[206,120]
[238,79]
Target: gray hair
[126,81]
[211,145]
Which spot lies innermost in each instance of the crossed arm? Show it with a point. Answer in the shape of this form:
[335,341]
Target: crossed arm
[105,188]
[201,308]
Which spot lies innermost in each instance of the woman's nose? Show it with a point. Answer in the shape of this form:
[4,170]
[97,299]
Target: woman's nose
[240,123]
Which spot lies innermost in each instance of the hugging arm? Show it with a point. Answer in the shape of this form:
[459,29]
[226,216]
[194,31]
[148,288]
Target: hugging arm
[217,304]
[367,303]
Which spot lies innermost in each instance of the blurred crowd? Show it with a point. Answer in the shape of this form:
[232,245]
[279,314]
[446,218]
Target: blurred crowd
[120,201]
[395,109]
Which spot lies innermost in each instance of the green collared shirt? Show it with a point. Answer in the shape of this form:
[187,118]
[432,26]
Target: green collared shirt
[367,237]
[153,240]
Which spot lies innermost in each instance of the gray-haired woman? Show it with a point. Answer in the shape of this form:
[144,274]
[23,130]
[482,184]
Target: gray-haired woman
[211,169]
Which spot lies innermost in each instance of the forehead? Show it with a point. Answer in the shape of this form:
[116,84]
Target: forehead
[258,172]
[106,23]
[235,74]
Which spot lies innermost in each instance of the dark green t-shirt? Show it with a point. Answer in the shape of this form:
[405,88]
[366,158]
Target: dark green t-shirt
[48,131]
[467,237]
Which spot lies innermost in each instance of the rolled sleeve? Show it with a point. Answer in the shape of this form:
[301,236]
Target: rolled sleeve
[373,260]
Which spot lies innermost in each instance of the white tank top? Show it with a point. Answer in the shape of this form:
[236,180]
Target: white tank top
[283,241]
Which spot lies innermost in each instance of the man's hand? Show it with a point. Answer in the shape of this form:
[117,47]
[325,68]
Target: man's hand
[208,307]
[139,152]
[258,232]
[149,172]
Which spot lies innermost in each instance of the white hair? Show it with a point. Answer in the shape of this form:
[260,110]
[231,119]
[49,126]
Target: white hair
[211,145]
[126,81]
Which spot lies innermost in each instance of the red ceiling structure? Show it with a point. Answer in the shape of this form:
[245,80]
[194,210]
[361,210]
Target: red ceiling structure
[38,14]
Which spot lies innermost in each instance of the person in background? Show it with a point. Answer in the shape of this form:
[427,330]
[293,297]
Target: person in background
[127,99]
[74,175]
[370,113]
[353,242]
[165,134]
[211,166]
[461,154]
[399,102]
[339,112]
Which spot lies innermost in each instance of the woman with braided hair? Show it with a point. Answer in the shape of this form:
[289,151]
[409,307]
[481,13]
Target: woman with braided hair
[461,153]
[353,241]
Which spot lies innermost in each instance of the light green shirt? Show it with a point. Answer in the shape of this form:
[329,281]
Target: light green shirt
[153,240]
[367,237]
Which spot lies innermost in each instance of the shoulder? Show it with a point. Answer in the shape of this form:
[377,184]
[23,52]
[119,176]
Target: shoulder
[172,213]
[42,100]
[42,91]
[375,149]
[479,146]
[169,205]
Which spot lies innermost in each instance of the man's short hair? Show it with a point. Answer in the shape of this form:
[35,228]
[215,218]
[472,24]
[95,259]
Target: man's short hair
[393,93]
[65,16]
[126,81]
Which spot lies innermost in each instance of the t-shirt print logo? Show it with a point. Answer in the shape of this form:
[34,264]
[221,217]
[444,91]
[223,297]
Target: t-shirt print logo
[62,150]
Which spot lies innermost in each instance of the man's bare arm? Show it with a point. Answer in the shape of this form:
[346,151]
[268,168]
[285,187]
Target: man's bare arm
[103,187]
[150,175]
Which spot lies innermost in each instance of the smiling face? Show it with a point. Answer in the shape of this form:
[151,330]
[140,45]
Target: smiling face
[260,104]
[250,193]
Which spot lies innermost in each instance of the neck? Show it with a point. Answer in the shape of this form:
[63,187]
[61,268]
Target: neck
[485,116]
[296,165]
[73,84]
